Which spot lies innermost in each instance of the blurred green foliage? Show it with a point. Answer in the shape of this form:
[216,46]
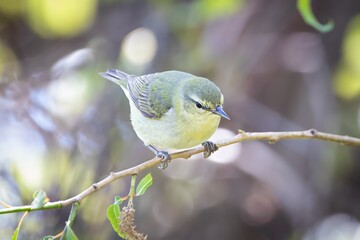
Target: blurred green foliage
[9,66]
[52,19]
[64,18]
[305,9]
[347,77]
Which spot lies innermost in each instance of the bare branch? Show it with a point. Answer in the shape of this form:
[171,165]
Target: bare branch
[240,137]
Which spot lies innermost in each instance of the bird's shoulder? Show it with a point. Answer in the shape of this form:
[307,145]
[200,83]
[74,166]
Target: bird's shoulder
[152,93]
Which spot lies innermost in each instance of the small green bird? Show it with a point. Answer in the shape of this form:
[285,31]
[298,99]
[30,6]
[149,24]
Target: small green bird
[172,109]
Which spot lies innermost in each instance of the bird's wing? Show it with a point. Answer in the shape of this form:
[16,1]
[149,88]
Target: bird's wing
[149,93]
[144,94]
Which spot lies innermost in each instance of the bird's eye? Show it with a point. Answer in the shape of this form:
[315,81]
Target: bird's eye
[198,105]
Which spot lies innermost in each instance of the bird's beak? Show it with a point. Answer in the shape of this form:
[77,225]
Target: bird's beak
[219,111]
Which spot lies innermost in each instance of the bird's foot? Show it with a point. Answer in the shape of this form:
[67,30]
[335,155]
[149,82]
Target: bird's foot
[165,157]
[210,147]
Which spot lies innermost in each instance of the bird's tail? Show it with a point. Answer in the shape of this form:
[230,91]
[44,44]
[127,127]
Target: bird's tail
[116,76]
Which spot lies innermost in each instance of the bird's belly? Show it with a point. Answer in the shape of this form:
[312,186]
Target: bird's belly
[171,133]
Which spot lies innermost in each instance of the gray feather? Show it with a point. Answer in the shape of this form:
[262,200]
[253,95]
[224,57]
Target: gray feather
[116,76]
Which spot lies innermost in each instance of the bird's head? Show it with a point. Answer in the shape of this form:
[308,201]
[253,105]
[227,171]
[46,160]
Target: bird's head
[202,96]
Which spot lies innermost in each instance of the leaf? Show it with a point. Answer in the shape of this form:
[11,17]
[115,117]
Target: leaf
[113,214]
[118,200]
[144,184]
[16,232]
[304,7]
[69,234]
[48,238]
[40,199]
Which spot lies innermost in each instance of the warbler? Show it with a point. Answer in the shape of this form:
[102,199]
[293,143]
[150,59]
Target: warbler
[172,109]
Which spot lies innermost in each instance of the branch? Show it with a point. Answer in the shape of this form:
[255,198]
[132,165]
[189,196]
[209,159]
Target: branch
[272,137]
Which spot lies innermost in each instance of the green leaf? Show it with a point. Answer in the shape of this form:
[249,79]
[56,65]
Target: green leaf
[16,232]
[304,7]
[118,200]
[113,214]
[48,238]
[40,199]
[69,234]
[144,184]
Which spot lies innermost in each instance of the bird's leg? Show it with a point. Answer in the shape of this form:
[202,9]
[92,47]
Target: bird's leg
[165,156]
[210,147]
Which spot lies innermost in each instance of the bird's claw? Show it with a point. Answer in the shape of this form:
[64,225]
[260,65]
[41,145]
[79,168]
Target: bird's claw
[210,147]
[165,159]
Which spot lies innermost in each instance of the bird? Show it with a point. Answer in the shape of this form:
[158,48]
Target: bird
[171,109]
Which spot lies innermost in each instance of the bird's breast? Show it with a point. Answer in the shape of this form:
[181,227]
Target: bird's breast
[174,130]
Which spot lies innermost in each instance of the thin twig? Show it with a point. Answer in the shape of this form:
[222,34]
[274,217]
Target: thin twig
[5,204]
[132,190]
[272,137]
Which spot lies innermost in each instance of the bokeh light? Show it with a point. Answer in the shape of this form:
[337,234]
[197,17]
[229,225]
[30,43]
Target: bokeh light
[68,96]
[336,227]
[64,18]
[139,47]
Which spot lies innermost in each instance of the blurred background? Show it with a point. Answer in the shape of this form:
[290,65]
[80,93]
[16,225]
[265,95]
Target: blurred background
[63,127]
